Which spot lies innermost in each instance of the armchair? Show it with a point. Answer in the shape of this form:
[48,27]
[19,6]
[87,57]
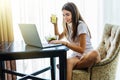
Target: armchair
[109,49]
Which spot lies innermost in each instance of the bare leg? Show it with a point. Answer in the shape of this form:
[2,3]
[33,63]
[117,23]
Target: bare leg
[88,60]
[70,65]
[84,62]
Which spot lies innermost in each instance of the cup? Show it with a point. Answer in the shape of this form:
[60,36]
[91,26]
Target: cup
[53,18]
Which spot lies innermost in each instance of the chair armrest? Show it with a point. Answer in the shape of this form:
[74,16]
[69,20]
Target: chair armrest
[108,60]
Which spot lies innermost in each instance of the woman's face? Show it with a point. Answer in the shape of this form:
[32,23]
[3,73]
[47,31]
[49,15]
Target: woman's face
[67,16]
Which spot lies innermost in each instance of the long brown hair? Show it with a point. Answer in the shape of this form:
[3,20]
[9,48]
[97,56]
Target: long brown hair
[76,17]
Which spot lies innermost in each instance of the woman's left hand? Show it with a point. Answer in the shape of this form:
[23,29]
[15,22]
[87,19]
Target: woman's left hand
[57,42]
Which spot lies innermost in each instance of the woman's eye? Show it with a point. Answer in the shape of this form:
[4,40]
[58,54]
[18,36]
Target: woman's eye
[67,14]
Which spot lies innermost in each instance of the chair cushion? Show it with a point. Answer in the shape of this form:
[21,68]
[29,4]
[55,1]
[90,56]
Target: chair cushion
[81,75]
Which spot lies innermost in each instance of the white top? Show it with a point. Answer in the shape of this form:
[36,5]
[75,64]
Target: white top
[82,28]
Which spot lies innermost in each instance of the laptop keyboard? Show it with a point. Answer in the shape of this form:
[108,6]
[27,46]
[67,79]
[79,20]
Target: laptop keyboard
[50,45]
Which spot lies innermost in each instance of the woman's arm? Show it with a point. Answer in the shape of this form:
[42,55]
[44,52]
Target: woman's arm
[78,48]
[81,47]
[56,31]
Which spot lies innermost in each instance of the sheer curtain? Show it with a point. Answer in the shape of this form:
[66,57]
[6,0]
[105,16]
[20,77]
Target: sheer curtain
[39,11]
[112,11]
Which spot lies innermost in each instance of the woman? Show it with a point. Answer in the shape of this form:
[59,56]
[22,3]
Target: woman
[78,35]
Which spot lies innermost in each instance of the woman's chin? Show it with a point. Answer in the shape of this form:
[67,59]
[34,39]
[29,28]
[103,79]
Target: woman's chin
[68,22]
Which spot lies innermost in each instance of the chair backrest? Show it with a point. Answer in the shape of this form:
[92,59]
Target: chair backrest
[110,43]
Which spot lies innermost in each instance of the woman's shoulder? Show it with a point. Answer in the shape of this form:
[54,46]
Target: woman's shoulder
[82,24]
[82,27]
[80,21]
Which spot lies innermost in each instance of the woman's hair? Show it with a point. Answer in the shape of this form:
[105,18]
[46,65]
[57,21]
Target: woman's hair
[76,17]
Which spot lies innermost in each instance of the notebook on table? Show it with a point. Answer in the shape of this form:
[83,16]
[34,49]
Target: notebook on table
[31,36]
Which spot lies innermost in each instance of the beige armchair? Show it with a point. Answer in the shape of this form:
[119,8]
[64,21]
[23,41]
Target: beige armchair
[109,49]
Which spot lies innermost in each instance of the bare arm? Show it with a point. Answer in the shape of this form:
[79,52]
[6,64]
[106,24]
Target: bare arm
[74,47]
[56,31]
[81,47]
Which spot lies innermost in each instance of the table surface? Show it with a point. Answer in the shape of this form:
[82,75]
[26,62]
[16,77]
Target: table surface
[19,50]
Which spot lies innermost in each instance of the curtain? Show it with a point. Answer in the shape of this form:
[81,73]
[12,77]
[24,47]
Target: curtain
[6,28]
[6,32]
[112,11]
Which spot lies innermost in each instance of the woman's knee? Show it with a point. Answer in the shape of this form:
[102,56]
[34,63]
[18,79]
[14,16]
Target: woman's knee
[94,53]
[88,60]
[95,56]
[72,61]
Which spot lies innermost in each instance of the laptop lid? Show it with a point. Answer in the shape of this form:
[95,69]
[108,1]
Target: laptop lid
[31,36]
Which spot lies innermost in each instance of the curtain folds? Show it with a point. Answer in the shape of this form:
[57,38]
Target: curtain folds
[6,32]
[6,28]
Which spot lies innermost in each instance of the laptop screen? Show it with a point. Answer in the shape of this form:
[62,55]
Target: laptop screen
[31,36]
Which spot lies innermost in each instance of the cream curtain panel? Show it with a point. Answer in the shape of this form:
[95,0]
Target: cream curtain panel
[6,32]
[6,29]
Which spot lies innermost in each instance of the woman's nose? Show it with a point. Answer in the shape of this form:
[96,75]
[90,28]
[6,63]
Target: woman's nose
[65,17]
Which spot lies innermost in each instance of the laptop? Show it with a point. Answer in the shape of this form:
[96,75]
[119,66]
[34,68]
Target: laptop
[31,37]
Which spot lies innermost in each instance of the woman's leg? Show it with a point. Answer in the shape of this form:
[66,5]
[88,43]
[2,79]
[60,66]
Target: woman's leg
[71,62]
[88,60]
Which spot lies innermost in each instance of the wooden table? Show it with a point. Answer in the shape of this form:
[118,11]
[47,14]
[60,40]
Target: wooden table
[18,50]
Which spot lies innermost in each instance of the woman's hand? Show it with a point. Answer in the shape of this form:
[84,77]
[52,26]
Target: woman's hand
[58,42]
[53,21]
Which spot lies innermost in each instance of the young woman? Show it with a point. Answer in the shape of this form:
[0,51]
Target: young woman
[78,35]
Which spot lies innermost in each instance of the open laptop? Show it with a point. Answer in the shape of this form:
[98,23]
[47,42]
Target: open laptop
[31,36]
